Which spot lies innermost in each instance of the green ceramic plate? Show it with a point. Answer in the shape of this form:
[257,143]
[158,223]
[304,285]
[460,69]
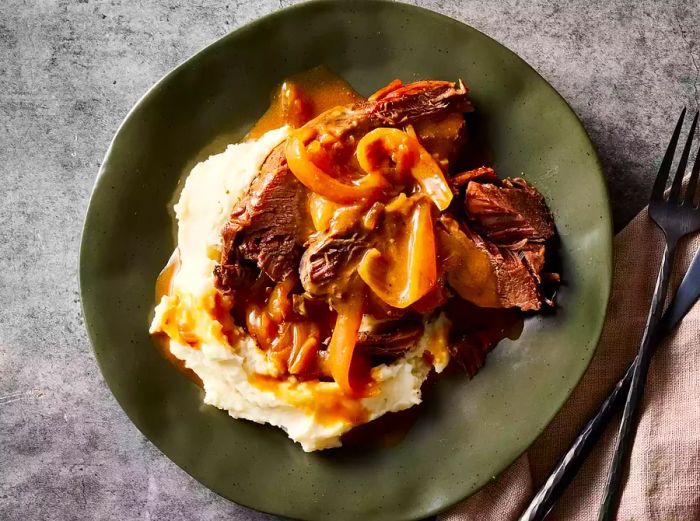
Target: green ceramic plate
[468,432]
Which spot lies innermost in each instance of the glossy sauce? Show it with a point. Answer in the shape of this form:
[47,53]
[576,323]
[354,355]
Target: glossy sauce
[302,97]
[164,286]
[289,335]
[326,405]
[475,331]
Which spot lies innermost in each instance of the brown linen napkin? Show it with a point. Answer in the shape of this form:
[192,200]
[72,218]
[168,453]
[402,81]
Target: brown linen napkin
[664,476]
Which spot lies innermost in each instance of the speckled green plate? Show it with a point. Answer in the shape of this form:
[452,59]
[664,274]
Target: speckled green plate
[468,432]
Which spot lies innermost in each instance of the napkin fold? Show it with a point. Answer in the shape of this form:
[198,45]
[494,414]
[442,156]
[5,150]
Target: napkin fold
[664,473]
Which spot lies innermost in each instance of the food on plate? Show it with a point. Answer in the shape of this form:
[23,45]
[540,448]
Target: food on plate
[328,263]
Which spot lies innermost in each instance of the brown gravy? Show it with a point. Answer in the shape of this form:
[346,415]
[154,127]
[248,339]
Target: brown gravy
[302,97]
[328,407]
[164,284]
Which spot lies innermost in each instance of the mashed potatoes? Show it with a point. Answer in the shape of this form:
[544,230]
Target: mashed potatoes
[236,375]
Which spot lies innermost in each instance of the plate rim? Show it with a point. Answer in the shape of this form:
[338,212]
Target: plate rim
[608,238]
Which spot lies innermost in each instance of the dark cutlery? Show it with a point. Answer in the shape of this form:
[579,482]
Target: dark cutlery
[569,465]
[676,216]
[686,296]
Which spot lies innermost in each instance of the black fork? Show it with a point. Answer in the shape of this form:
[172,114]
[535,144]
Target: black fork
[677,216]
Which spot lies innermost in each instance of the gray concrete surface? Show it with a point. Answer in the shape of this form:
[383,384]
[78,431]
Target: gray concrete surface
[70,70]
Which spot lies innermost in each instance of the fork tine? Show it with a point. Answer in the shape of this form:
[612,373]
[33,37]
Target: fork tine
[693,181]
[680,171]
[657,192]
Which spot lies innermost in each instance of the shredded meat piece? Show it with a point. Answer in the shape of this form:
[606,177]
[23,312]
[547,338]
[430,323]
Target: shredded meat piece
[331,259]
[330,262]
[268,227]
[482,173]
[483,273]
[391,338]
[509,213]
[515,284]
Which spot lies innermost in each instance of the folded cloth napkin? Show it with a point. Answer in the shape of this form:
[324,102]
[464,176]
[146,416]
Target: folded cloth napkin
[664,473]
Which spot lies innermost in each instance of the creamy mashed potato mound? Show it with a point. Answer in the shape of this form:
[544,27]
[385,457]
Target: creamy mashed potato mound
[236,375]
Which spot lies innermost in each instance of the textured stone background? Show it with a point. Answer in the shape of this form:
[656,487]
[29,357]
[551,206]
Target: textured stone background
[70,71]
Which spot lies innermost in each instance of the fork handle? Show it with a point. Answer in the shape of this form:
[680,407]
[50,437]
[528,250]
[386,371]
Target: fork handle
[625,437]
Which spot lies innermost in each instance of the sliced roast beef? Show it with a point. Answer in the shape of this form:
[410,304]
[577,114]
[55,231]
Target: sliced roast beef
[391,338]
[481,272]
[426,104]
[268,228]
[516,286]
[508,213]
[415,101]
[330,262]
[483,173]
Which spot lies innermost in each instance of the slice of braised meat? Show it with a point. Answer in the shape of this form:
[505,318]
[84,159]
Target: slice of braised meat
[509,213]
[405,104]
[483,173]
[434,108]
[443,137]
[517,287]
[331,260]
[481,272]
[390,338]
[268,228]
